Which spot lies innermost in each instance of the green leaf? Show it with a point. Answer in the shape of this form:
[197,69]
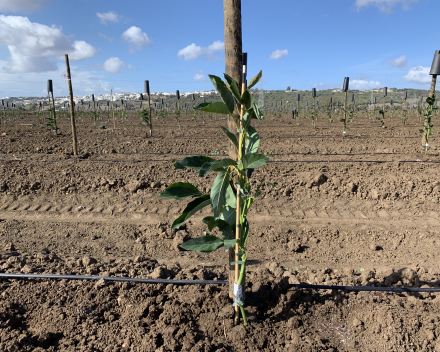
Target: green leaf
[230,243]
[254,160]
[254,80]
[226,229]
[229,215]
[192,208]
[180,191]
[217,107]
[224,92]
[257,112]
[231,136]
[252,140]
[193,162]
[233,86]
[246,99]
[211,222]
[229,211]
[218,192]
[216,166]
[203,244]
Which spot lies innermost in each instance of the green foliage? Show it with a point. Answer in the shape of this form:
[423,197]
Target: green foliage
[427,130]
[329,112]
[51,121]
[144,115]
[233,177]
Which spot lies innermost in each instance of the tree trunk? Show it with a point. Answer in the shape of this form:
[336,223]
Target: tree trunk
[234,68]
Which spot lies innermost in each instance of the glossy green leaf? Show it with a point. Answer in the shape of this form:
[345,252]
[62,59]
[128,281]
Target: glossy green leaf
[225,229]
[211,222]
[229,211]
[253,160]
[193,162]
[257,112]
[224,92]
[246,99]
[230,243]
[233,86]
[203,244]
[254,80]
[231,136]
[180,191]
[218,192]
[252,140]
[217,107]
[216,166]
[192,208]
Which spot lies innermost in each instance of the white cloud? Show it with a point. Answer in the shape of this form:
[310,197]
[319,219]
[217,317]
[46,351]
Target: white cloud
[278,54]
[114,65]
[136,38]
[33,46]
[419,75]
[82,51]
[399,62]
[194,52]
[386,6]
[84,82]
[131,67]
[22,5]
[199,78]
[108,17]
[110,39]
[360,84]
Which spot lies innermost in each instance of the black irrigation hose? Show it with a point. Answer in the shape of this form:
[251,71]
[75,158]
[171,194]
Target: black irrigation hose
[193,154]
[272,161]
[210,282]
[367,288]
[114,278]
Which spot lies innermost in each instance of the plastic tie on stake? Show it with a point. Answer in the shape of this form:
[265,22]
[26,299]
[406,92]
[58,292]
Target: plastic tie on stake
[238,293]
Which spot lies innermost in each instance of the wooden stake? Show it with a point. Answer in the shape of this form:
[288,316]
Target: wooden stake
[151,116]
[72,108]
[54,114]
[431,93]
[345,110]
[94,113]
[113,111]
[234,68]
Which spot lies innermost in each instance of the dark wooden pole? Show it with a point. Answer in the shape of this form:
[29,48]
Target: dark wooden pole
[72,108]
[54,114]
[151,116]
[234,68]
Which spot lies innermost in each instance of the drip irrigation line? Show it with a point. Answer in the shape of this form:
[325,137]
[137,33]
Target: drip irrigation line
[367,288]
[210,282]
[114,278]
[271,161]
[193,154]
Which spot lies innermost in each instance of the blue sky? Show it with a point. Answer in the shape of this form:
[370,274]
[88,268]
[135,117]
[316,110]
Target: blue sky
[175,44]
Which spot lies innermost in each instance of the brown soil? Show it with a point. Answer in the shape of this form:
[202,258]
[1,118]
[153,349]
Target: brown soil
[359,210]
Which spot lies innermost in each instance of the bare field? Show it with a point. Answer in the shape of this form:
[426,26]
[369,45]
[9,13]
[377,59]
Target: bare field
[356,210]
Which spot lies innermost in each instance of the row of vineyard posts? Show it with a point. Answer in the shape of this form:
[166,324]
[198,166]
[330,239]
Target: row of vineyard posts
[344,112]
